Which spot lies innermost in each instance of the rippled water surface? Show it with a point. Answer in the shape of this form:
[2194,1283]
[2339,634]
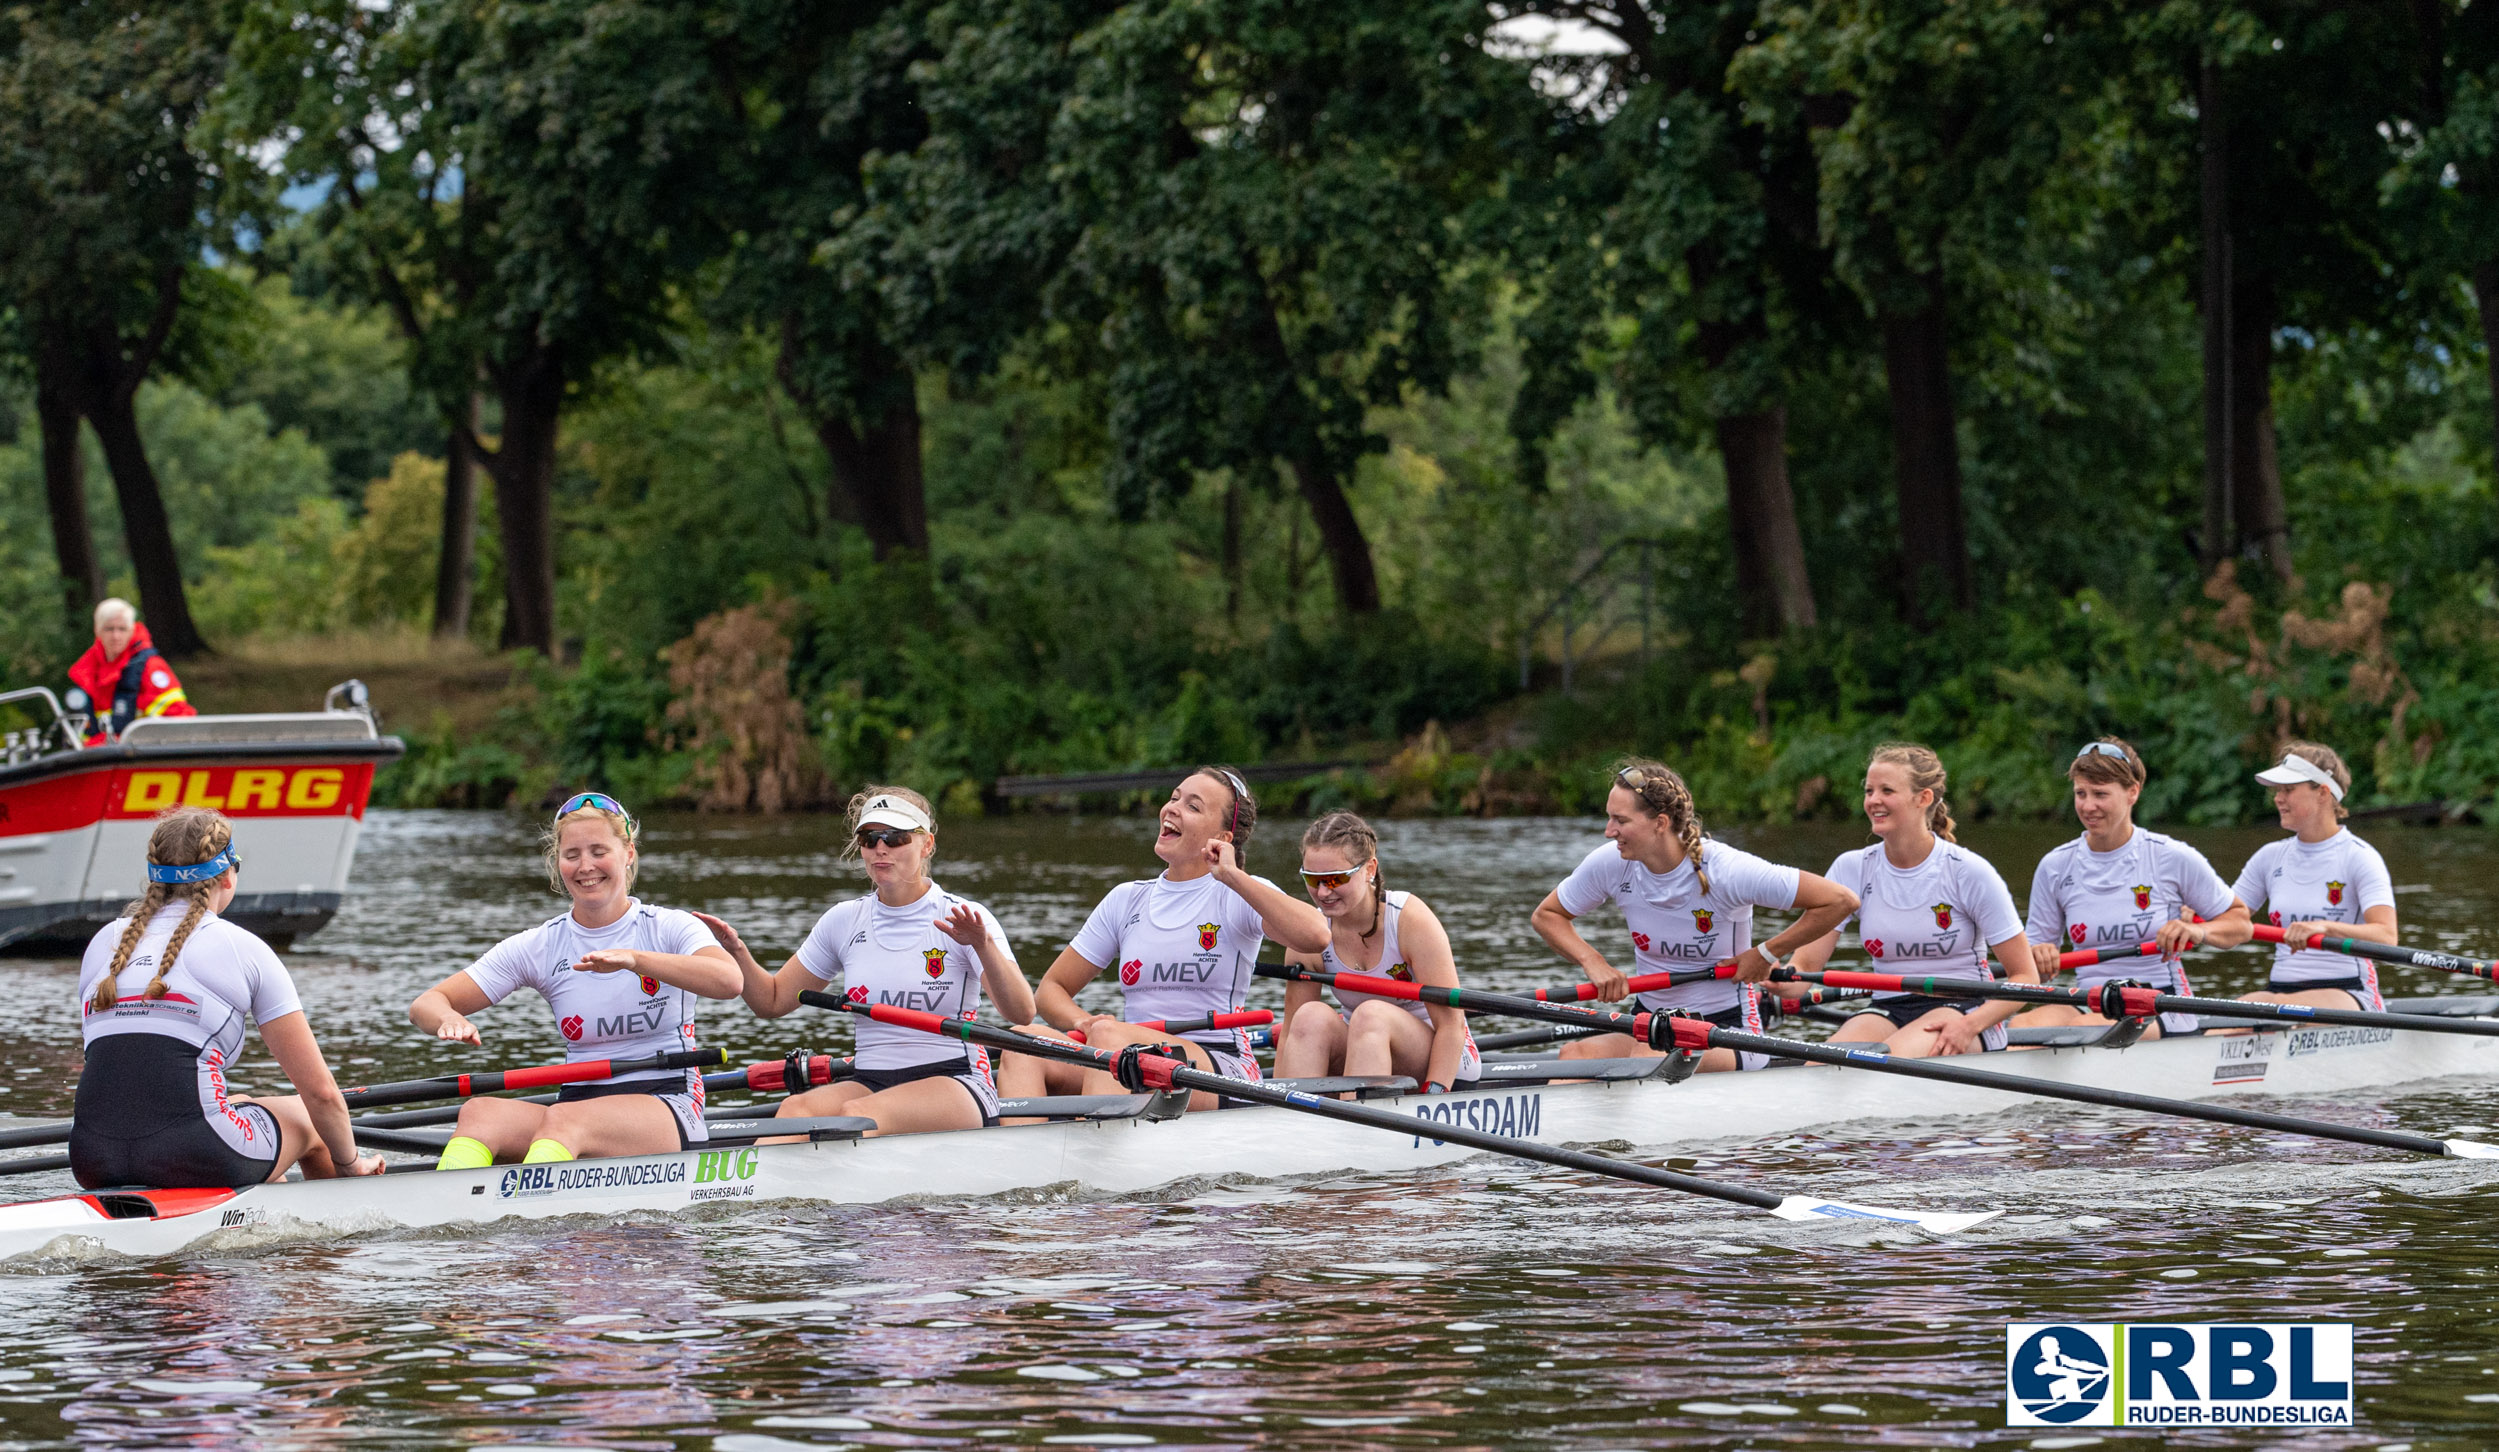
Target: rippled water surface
[1488,1304]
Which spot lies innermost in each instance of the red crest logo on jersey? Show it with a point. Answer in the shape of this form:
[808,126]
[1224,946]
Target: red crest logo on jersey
[1874,947]
[571,1027]
[2274,917]
[2078,932]
[1206,935]
[1640,941]
[1401,972]
[1131,971]
[934,959]
[1943,915]
[2334,893]
[1700,920]
[2143,894]
[858,994]
[650,986]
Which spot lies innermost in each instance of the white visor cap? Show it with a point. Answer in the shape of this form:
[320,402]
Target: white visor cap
[2295,769]
[889,811]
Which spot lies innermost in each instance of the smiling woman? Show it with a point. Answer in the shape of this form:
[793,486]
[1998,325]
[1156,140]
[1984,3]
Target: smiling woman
[623,978]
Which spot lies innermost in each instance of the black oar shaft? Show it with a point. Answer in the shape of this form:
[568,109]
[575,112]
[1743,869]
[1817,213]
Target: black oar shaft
[2144,1002]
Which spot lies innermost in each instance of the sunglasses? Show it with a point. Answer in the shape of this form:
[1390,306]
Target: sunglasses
[885,836]
[1329,880]
[601,801]
[2102,748]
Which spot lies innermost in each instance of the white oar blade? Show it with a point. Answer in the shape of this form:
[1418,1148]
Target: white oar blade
[2471,1149]
[1803,1207]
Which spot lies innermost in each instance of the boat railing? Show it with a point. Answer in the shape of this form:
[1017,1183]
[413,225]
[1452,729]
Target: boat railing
[31,742]
[279,726]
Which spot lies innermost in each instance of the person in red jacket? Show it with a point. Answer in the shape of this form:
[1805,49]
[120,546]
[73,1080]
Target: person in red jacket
[121,677]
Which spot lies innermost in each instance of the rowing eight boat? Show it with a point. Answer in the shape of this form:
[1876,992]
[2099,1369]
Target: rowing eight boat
[1138,1152]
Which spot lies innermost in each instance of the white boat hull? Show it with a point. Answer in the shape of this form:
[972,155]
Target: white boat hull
[1131,1156]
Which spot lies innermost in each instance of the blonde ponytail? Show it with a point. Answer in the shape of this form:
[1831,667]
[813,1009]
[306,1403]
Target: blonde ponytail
[1926,774]
[184,837]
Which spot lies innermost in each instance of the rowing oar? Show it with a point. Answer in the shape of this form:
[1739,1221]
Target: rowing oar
[1644,983]
[1148,1067]
[1676,1031]
[1247,1018]
[2387,953]
[772,1076]
[2133,1000]
[454,1086]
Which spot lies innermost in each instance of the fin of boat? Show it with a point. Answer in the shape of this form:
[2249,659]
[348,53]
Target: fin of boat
[1804,1207]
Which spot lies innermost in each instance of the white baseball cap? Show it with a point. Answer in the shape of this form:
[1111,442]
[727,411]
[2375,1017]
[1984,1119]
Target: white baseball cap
[2295,769]
[893,811]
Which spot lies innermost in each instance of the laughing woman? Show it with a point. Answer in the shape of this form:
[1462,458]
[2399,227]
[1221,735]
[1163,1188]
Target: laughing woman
[1927,906]
[1688,901]
[1374,931]
[910,943]
[622,977]
[1184,944]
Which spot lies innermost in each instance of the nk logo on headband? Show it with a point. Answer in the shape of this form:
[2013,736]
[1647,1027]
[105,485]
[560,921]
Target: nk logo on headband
[2178,1374]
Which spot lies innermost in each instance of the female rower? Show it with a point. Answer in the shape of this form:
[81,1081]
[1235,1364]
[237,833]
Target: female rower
[166,992]
[1184,944]
[1388,934]
[1928,906]
[909,943]
[2320,879]
[2116,886]
[622,977]
[1688,901]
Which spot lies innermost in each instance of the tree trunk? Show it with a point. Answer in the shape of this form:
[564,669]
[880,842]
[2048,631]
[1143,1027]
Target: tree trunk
[1340,535]
[65,489]
[145,528]
[2220,531]
[2256,478]
[1770,578]
[523,468]
[878,481]
[1926,459]
[1232,549]
[2486,298]
[454,587]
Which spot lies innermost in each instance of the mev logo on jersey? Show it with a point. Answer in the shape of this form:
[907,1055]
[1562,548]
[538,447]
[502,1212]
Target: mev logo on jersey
[2178,1374]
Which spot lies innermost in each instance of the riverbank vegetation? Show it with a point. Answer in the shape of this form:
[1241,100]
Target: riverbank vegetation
[969,390]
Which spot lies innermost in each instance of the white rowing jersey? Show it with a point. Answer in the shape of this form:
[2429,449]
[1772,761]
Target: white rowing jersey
[2334,881]
[1183,950]
[1934,920]
[605,1015]
[223,981]
[1674,924]
[1392,964]
[2084,899]
[898,956]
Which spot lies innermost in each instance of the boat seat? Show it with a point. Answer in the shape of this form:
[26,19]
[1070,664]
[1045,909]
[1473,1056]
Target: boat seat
[1545,1071]
[830,1126]
[1149,1107]
[2464,1007]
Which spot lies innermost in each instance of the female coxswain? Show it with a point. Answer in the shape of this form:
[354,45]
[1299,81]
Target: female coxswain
[909,943]
[1688,902]
[2320,879]
[1183,945]
[623,978]
[1386,934]
[2117,886]
[1928,907]
[166,993]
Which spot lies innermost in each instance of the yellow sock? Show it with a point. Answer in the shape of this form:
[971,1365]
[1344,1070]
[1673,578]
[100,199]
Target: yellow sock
[464,1153]
[545,1151]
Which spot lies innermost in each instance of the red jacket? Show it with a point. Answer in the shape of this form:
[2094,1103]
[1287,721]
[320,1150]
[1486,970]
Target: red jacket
[139,684]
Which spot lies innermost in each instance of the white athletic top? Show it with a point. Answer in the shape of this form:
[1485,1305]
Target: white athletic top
[604,1015]
[2085,899]
[224,979]
[1934,920]
[1183,949]
[1676,925]
[1393,965]
[896,955]
[2334,881]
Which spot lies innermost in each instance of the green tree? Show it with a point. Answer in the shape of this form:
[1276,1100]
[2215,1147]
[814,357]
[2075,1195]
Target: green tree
[2445,183]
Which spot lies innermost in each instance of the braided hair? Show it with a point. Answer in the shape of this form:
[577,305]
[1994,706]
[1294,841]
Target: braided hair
[184,837]
[1241,818]
[1662,793]
[1360,842]
[1926,773]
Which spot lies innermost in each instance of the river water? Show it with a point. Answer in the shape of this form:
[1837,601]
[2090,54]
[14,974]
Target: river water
[1483,1305]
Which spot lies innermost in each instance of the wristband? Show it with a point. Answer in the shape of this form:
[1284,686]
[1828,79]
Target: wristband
[1434,1086]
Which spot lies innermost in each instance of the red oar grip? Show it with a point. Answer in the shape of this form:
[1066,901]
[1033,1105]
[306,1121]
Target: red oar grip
[1378,987]
[546,1074]
[911,1018]
[1842,978]
[2085,957]
[1247,1018]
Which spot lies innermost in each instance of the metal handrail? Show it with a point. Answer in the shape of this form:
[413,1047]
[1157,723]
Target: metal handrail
[1565,601]
[60,719]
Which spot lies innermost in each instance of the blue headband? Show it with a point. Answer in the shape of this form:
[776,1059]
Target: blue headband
[214,867]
